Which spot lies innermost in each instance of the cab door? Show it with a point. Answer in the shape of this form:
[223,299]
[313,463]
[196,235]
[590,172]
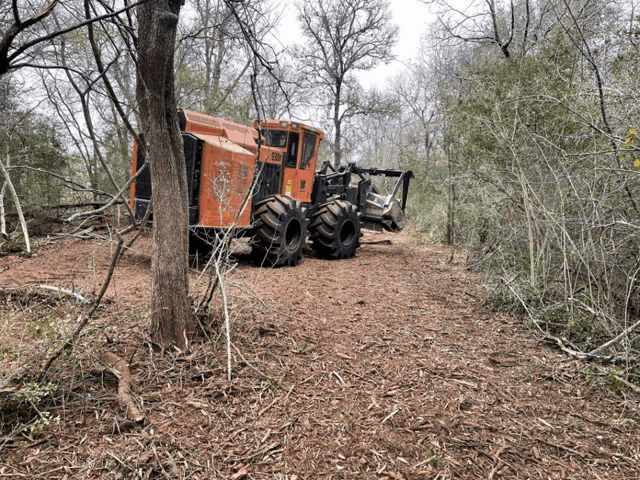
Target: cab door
[306,166]
[290,180]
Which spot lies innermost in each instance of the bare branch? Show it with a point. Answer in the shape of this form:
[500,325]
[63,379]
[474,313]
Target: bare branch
[6,59]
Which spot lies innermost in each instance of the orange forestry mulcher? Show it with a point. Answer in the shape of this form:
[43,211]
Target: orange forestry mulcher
[263,183]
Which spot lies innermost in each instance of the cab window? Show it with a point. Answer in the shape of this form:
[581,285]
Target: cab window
[276,138]
[308,149]
[292,150]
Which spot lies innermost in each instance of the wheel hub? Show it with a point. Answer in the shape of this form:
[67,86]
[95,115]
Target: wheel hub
[347,232]
[292,234]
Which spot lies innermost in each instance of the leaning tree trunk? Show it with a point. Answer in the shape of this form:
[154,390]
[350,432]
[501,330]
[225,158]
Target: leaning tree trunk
[171,322]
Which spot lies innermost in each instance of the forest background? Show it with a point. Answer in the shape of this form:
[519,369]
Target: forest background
[519,120]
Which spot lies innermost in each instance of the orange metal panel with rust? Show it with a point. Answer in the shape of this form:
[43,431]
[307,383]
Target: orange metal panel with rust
[304,181]
[290,183]
[271,155]
[206,124]
[227,172]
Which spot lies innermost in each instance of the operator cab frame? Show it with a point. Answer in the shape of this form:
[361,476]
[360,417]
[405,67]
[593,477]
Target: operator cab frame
[298,163]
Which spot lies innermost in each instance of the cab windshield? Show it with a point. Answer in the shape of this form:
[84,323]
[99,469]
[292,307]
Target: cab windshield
[276,138]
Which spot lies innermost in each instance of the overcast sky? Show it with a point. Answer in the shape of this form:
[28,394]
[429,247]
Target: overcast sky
[411,16]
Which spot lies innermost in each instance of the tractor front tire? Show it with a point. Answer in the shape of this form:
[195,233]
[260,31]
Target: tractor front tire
[280,229]
[335,230]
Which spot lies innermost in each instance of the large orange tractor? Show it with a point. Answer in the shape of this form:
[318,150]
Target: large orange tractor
[263,183]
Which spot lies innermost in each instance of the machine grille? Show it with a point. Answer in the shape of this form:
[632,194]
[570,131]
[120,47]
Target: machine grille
[268,182]
[192,156]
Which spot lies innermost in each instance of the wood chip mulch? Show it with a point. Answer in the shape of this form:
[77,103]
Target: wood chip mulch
[385,366]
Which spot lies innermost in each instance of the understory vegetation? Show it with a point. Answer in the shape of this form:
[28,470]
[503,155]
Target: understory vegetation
[522,131]
[544,167]
[518,119]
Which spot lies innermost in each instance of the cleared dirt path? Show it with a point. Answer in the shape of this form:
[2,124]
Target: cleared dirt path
[387,365]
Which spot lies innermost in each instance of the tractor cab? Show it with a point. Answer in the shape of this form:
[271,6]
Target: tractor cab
[299,145]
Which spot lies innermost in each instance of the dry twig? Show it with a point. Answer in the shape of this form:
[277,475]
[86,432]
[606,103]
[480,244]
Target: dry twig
[65,291]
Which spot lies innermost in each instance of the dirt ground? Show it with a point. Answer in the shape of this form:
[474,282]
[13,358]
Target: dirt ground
[387,365]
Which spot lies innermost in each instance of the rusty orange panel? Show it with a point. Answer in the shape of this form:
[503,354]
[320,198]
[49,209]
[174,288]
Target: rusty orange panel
[201,123]
[227,172]
[290,183]
[271,155]
[203,129]
[241,134]
[305,184]
[208,125]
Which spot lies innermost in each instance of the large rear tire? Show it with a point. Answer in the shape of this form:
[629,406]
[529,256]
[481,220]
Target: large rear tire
[335,230]
[280,230]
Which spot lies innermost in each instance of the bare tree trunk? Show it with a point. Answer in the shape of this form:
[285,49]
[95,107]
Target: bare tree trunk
[171,322]
[337,124]
[3,221]
[451,198]
[207,48]
[16,202]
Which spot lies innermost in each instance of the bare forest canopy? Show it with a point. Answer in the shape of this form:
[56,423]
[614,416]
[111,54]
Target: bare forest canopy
[520,120]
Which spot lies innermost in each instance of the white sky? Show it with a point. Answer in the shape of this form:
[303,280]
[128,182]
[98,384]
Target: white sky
[411,16]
